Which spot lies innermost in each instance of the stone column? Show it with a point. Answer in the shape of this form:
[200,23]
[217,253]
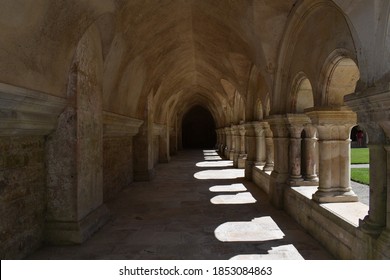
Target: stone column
[250,138]
[296,124]
[172,141]
[260,130]
[280,174]
[269,148]
[373,111]
[218,143]
[236,144]
[228,148]
[223,144]
[242,154]
[334,129]
[311,154]
[163,136]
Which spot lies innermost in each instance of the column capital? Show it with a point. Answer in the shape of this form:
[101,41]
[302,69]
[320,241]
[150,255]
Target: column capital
[278,126]
[333,124]
[242,129]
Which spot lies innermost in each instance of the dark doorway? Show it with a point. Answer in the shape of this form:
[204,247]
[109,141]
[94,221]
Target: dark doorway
[198,129]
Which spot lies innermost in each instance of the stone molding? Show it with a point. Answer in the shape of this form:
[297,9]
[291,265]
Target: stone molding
[119,125]
[28,112]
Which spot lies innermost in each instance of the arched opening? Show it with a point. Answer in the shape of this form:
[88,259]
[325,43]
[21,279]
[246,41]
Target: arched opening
[358,137]
[303,95]
[198,129]
[259,114]
[342,80]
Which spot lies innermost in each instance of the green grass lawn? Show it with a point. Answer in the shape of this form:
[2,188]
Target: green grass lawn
[360,175]
[359,155]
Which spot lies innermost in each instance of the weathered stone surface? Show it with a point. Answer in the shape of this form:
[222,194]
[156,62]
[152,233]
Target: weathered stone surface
[22,195]
[117,165]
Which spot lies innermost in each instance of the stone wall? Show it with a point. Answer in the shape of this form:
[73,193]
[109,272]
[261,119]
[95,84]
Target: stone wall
[22,195]
[261,179]
[117,165]
[335,225]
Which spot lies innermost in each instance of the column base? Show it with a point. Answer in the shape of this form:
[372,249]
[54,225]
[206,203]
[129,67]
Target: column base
[268,167]
[369,227]
[231,155]
[296,181]
[249,169]
[311,178]
[241,160]
[335,196]
[277,186]
[235,160]
[76,232]
[383,245]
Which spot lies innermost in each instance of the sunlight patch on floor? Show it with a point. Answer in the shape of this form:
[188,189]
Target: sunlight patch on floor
[220,174]
[239,198]
[239,187]
[284,252]
[219,163]
[259,229]
[212,157]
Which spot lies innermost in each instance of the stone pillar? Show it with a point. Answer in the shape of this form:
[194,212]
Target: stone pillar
[228,148]
[269,148]
[74,153]
[311,154]
[280,174]
[250,138]
[242,154]
[223,143]
[143,146]
[260,130]
[163,150]
[373,111]
[172,141]
[296,124]
[218,143]
[381,195]
[236,144]
[334,129]
[375,221]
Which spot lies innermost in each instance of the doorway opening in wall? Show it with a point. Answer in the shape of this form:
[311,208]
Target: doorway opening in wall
[198,129]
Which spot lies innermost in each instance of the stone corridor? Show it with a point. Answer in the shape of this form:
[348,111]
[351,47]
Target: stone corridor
[197,207]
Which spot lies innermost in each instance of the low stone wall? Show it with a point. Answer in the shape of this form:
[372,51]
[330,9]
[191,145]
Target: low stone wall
[22,195]
[261,179]
[117,165]
[335,225]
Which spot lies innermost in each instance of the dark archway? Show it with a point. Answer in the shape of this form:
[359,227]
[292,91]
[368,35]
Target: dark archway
[198,128]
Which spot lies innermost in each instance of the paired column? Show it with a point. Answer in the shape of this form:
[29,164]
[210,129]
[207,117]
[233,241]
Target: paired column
[236,145]
[242,156]
[334,129]
[269,148]
[260,129]
[251,147]
[280,174]
[229,142]
[310,154]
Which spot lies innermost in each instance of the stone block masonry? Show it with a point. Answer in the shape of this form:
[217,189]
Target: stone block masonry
[117,165]
[22,195]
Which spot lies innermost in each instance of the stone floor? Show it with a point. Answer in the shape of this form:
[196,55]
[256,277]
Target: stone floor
[197,207]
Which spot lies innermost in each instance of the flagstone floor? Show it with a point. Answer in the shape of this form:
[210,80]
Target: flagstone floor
[197,207]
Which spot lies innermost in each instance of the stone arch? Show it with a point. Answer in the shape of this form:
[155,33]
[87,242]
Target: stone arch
[307,30]
[259,111]
[340,75]
[302,94]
